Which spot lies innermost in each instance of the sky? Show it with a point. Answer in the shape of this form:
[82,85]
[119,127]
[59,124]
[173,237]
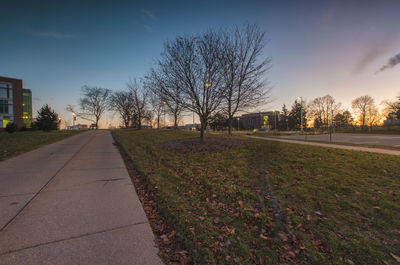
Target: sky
[316,47]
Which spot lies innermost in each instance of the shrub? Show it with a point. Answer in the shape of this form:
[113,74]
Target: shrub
[11,127]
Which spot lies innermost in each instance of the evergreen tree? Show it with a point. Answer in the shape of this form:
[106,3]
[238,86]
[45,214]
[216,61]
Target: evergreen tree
[47,119]
[295,116]
[283,123]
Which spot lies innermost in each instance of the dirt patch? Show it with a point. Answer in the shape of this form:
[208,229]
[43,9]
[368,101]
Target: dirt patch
[211,145]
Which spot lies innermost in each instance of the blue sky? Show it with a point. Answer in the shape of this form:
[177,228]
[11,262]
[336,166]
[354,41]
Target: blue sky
[317,47]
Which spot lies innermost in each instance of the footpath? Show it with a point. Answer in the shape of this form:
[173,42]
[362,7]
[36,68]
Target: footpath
[72,202]
[338,146]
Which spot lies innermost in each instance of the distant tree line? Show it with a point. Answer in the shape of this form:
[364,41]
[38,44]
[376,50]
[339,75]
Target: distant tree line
[324,112]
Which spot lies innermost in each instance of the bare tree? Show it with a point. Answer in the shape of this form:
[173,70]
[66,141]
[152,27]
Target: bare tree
[93,104]
[191,66]
[392,108]
[156,103]
[121,101]
[172,99]
[140,101]
[242,70]
[175,108]
[362,105]
[372,116]
[323,110]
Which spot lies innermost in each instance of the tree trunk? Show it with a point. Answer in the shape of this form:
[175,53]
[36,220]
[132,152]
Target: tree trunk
[230,122]
[158,121]
[202,127]
[175,121]
[139,122]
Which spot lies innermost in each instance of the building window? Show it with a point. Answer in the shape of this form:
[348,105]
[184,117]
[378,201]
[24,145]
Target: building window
[4,106]
[4,92]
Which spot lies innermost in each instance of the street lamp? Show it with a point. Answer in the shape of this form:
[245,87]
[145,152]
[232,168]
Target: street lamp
[73,118]
[164,111]
[301,113]
[238,118]
[275,119]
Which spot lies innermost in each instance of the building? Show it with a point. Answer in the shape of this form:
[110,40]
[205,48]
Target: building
[15,103]
[261,120]
[78,127]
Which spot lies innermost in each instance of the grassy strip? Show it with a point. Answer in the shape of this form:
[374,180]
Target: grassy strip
[271,202]
[13,144]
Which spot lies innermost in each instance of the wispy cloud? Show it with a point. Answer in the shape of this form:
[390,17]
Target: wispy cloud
[148,28]
[49,34]
[148,13]
[395,60]
[368,56]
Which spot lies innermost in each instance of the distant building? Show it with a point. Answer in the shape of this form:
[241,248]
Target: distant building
[191,127]
[78,127]
[261,120]
[391,122]
[15,103]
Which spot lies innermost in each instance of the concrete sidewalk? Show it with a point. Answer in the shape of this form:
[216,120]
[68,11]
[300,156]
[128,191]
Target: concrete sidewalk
[338,146]
[72,202]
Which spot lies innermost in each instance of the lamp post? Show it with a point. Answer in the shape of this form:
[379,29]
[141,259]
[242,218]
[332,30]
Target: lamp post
[238,118]
[164,111]
[275,119]
[73,118]
[301,113]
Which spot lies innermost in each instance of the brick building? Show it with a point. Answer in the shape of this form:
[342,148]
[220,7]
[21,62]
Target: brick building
[261,120]
[15,103]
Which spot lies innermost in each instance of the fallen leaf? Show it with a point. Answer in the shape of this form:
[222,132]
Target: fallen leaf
[308,217]
[191,230]
[350,262]
[264,237]
[282,235]
[377,207]
[395,257]
[318,213]
[172,234]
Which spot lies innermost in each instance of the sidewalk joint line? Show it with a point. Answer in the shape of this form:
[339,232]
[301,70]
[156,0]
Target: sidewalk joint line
[44,186]
[72,237]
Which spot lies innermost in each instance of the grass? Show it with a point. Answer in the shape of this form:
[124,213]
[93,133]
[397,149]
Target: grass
[13,144]
[270,202]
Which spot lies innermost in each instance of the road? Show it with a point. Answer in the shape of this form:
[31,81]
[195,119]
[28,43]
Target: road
[367,139]
[72,202]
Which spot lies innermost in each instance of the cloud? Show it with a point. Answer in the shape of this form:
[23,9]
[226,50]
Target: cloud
[148,28]
[149,14]
[37,99]
[395,60]
[369,56]
[49,34]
